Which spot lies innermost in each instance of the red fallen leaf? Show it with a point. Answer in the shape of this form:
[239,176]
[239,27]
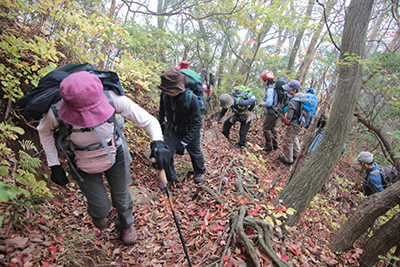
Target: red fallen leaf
[52,249]
[51,258]
[251,213]
[146,206]
[57,203]
[203,227]
[45,264]
[249,231]
[217,228]
[191,212]
[285,257]
[242,201]
[202,213]
[226,258]
[97,242]
[98,233]
[42,220]
[229,264]
[26,227]
[147,162]
[171,237]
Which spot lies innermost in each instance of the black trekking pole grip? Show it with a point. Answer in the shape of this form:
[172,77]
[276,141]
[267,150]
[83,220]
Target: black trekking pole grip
[163,177]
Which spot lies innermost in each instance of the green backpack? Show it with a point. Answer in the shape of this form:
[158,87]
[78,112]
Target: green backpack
[195,84]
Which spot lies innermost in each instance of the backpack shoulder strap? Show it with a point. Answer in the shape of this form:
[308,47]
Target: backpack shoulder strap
[189,94]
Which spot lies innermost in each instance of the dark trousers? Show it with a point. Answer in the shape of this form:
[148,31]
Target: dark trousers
[270,133]
[244,127]
[95,192]
[172,139]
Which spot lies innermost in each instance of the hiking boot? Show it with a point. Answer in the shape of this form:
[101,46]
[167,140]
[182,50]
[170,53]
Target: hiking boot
[129,235]
[199,178]
[267,149]
[239,146]
[287,163]
[100,223]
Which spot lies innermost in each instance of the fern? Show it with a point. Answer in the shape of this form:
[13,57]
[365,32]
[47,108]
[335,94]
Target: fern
[27,162]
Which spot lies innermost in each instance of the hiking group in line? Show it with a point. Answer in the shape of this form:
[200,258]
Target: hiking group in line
[84,109]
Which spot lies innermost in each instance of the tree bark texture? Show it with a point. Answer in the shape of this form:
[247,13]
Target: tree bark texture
[299,36]
[306,184]
[363,218]
[381,242]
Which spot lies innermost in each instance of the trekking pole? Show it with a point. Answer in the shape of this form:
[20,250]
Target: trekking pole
[164,180]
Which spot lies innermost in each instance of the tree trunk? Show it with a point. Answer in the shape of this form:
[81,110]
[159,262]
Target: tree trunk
[381,242]
[364,217]
[299,36]
[305,65]
[312,177]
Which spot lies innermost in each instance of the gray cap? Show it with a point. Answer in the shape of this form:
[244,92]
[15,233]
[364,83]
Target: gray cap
[364,157]
[292,85]
[225,101]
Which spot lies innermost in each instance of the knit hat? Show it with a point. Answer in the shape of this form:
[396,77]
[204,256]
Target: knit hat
[365,158]
[292,85]
[84,104]
[173,81]
[184,65]
[225,101]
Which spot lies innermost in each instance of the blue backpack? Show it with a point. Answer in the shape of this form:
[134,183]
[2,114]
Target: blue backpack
[309,103]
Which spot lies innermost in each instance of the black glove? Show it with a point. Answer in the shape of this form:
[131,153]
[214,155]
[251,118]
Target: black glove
[180,149]
[58,175]
[160,151]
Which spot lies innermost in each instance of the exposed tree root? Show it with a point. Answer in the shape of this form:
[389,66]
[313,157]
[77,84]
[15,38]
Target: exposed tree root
[214,194]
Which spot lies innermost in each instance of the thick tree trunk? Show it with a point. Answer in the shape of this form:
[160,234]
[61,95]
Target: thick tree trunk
[381,242]
[299,36]
[312,177]
[364,217]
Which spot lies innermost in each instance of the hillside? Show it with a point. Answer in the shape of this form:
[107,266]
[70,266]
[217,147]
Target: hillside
[58,232]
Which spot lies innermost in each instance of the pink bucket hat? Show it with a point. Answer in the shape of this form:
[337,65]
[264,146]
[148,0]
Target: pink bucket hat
[84,104]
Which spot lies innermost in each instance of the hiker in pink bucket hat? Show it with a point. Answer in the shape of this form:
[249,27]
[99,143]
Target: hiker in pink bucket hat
[84,103]
[95,146]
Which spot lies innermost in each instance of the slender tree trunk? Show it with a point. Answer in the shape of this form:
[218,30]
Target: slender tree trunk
[312,177]
[305,65]
[299,36]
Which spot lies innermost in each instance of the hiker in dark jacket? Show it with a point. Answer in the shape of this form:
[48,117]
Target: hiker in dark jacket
[84,106]
[291,144]
[241,112]
[182,129]
[373,179]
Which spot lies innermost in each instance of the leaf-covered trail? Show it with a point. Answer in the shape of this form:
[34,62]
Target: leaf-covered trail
[58,232]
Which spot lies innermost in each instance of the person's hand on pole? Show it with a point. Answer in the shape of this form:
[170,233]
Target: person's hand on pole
[160,152]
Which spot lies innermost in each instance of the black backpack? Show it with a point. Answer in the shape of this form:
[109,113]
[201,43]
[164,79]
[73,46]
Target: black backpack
[38,101]
[283,97]
[389,175]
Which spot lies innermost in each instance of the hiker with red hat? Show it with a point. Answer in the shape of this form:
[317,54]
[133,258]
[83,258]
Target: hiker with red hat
[87,110]
[184,65]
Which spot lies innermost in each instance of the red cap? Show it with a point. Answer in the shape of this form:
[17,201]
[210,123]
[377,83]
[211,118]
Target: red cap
[184,65]
[267,76]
